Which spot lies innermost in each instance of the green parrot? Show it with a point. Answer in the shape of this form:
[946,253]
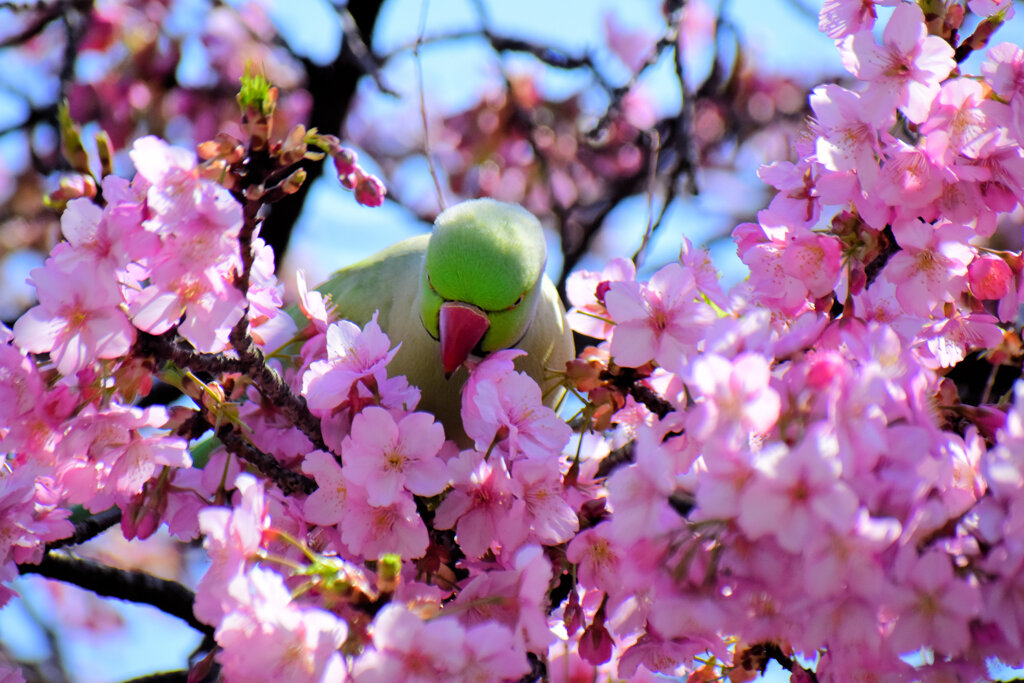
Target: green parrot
[476,284]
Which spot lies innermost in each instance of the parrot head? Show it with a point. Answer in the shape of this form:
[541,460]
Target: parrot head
[481,278]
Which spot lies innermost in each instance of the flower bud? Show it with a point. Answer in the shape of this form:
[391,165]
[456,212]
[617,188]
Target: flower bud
[989,277]
[370,190]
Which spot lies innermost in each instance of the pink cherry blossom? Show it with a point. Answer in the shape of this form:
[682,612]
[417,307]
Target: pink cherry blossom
[266,636]
[934,607]
[383,455]
[492,655]
[999,170]
[405,648]
[698,260]
[795,493]
[931,267]
[988,8]
[639,493]
[78,318]
[552,520]
[512,597]
[597,555]
[660,320]
[109,450]
[795,203]
[107,238]
[326,505]
[233,537]
[505,407]
[905,70]
[989,277]
[790,265]
[29,517]
[948,341]
[1004,70]
[373,530]
[840,18]
[480,504]
[353,355]
[586,291]
[910,179]
[959,119]
[733,397]
[848,139]
[171,174]
[270,325]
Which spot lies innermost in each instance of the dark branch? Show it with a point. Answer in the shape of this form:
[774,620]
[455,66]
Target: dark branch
[288,481]
[164,677]
[89,528]
[249,362]
[134,586]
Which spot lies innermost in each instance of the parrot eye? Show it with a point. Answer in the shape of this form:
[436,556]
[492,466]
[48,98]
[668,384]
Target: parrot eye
[518,301]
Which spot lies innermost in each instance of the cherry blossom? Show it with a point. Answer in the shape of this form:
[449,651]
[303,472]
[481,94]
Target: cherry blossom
[353,354]
[504,406]
[734,397]
[932,265]
[586,291]
[796,492]
[660,320]
[406,648]
[905,70]
[935,606]
[383,455]
[266,636]
[78,317]
[479,505]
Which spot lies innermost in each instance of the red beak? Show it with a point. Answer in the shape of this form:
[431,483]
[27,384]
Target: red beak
[462,328]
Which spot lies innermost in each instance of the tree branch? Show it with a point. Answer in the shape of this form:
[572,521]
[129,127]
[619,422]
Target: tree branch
[134,586]
[288,481]
[250,362]
[89,528]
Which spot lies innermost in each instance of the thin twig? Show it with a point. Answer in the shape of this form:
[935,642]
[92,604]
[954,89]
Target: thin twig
[53,666]
[686,141]
[652,179]
[424,8]
[617,94]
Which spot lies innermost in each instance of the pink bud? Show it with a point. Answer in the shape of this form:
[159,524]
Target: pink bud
[825,368]
[989,277]
[345,160]
[370,190]
[596,644]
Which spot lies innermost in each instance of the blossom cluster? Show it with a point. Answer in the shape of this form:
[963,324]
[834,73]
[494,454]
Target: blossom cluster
[784,467]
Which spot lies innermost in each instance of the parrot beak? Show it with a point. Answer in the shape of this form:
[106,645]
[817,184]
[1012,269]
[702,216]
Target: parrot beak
[462,328]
